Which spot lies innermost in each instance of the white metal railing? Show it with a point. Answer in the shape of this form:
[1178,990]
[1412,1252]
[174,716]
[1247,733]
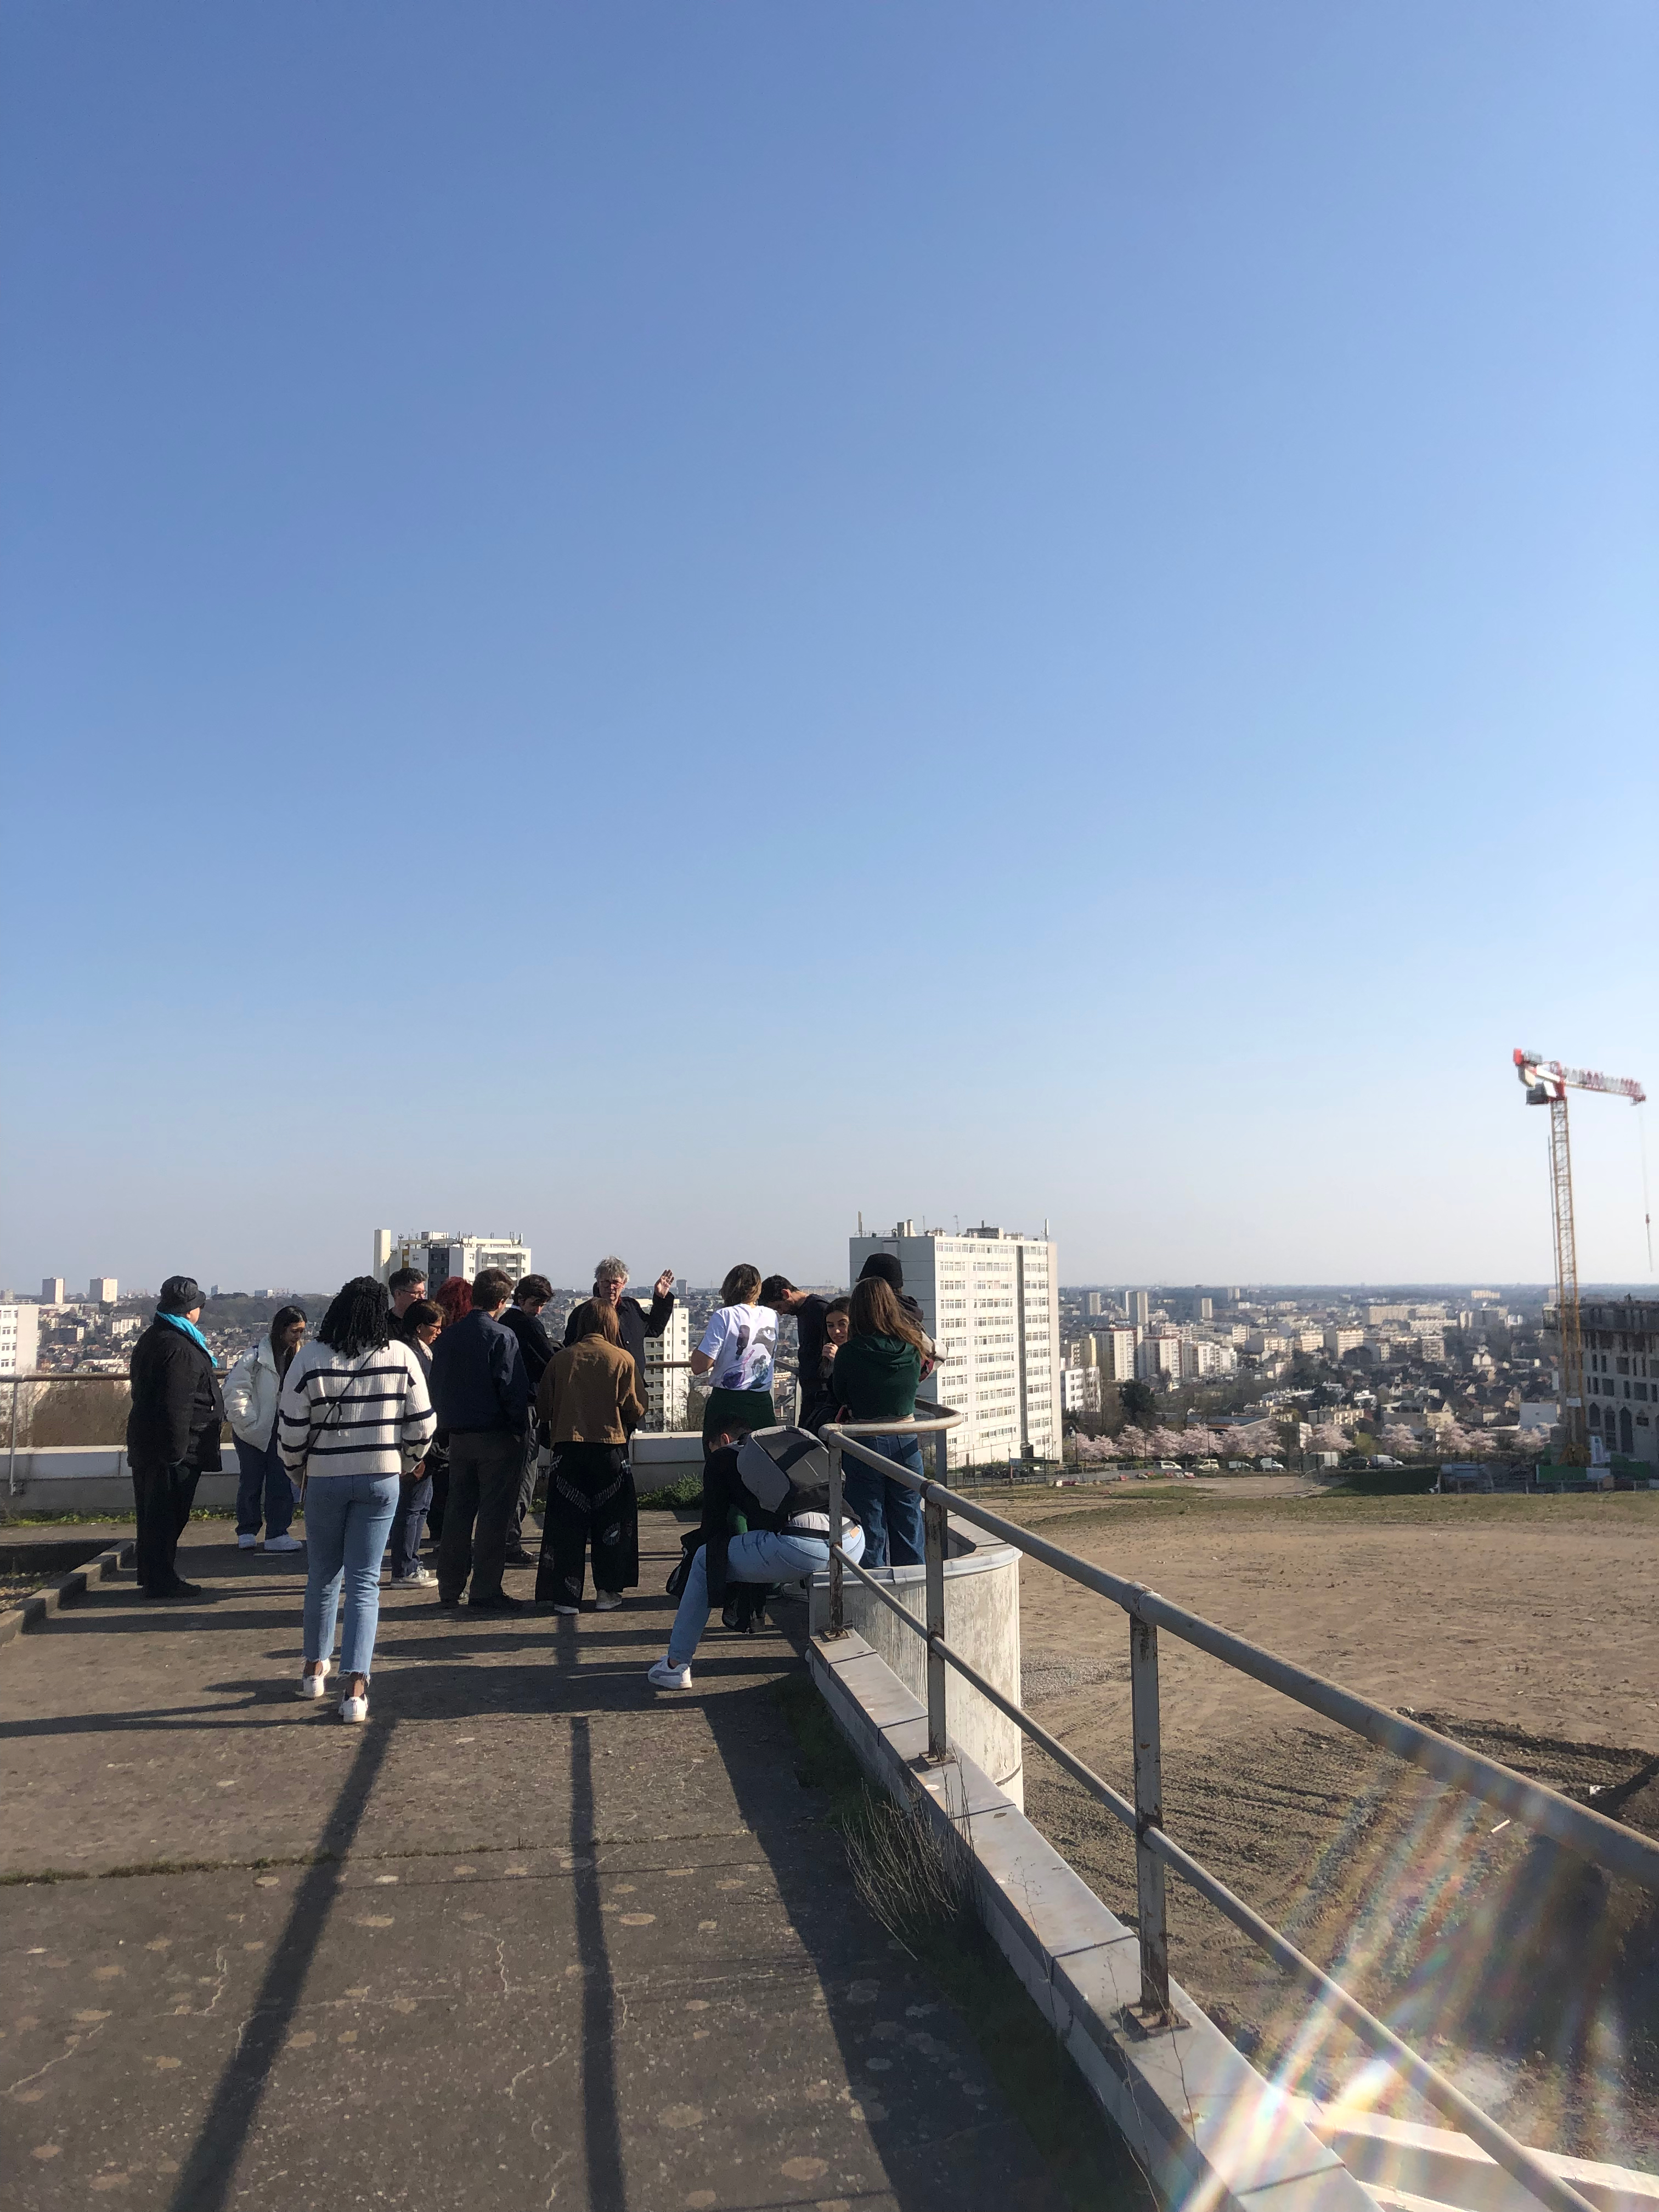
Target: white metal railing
[1618,1849]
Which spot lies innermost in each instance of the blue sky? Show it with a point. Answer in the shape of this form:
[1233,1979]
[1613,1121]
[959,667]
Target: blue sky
[659,623]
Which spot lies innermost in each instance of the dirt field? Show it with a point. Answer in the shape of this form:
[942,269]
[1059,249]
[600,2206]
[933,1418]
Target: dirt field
[1528,1627]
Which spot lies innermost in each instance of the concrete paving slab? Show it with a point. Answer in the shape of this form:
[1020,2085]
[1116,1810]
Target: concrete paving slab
[576,1944]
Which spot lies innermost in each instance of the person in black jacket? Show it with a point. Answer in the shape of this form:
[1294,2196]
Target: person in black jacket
[632,1318]
[173,1432]
[530,1294]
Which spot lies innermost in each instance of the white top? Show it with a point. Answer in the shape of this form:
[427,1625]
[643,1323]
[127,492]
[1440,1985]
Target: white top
[742,1341]
[370,1415]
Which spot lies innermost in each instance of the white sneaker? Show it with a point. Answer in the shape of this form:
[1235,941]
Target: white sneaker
[606,1601]
[665,1676]
[353,1709]
[423,1578]
[246,1543]
[285,1543]
[572,1609]
[311,1686]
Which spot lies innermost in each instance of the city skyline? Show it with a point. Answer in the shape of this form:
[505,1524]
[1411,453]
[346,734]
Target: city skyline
[661,634]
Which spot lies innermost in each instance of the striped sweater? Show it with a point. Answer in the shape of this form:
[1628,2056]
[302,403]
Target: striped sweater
[385,1419]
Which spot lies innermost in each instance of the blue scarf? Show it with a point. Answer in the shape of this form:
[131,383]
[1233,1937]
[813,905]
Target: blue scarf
[189,1330]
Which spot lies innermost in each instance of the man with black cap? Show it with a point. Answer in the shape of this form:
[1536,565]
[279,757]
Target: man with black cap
[172,1431]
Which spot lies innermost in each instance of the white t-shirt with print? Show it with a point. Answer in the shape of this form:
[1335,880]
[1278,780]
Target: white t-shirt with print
[742,1341]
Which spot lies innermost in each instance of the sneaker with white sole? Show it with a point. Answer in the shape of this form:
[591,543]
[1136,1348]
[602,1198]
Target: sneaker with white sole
[311,1686]
[665,1675]
[246,1543]
[606,1601]
[353,1709]
[571,1610]
[423,1578]
[285,1543]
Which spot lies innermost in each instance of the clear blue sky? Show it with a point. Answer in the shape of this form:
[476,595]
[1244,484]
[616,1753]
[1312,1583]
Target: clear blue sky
[657,623]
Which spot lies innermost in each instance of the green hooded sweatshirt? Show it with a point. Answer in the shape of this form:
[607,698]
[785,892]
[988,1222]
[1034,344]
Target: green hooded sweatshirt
[875,1377]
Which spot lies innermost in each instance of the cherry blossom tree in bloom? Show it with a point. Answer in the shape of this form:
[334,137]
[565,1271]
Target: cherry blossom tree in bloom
[1327,1437]
[1398,1442]
[1134,1442]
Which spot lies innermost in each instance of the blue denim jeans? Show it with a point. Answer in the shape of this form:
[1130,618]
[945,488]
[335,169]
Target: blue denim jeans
[407,1523]
[262,1489]
[758,1557]
[348,1519]
[891,1514]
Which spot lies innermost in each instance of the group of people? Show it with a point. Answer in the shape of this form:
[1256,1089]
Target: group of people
[404,1412]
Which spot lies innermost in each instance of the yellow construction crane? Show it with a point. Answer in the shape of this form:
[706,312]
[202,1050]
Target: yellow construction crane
[1547,1084]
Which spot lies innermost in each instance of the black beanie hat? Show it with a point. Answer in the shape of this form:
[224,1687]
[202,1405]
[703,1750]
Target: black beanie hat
[886,1266]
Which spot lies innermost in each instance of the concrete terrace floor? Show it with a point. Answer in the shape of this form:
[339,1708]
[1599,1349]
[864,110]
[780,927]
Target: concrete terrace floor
[576,1945]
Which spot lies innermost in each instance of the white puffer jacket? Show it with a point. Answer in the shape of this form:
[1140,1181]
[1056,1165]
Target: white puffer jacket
[251,1391]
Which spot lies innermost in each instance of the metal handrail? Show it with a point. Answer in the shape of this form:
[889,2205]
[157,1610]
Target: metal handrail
[16,1381]
[1618,1849]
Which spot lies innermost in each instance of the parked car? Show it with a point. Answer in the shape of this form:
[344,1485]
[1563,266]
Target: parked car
[1207,1466]
[1238,1466]
[1272,1466]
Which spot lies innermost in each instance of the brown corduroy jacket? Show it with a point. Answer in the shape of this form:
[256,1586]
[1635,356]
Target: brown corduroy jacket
[589,1394]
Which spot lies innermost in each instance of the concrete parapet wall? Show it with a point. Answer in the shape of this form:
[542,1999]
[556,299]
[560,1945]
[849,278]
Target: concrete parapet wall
[1202,2121]
[91,1478]
[982,1621]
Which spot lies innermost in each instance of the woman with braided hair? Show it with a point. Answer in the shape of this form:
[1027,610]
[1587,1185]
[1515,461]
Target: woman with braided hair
[354,1419]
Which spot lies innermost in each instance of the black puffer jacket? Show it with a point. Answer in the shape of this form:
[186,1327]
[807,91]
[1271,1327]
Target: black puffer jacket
[177,1411]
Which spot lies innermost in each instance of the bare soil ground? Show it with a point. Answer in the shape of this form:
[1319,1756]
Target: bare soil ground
[1526,1627]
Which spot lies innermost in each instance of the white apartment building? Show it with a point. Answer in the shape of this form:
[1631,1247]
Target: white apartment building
[439,1253]
[1114,1352]
[19,1339]
[667,1381]
[1338,1340]
[990,1298]
[1157,1358]
[51,1290]
[1201,1356]
[102,1291]
[1097,1304]
[1079,1390]
[1138,1305]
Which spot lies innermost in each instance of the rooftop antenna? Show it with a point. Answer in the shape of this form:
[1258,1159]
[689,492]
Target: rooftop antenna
[860,1223]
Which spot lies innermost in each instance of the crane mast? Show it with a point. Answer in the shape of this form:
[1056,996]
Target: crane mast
[1546,1084]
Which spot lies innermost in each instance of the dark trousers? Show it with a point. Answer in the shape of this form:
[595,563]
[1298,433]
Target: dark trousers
[162,1494]
[484,1465]
[591,1499]
[403,1544]
[435,1512]
[262,1489]
[527,1492]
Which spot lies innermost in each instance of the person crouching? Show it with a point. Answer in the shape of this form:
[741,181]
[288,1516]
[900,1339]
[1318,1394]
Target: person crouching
[766,1519]
[589,1396]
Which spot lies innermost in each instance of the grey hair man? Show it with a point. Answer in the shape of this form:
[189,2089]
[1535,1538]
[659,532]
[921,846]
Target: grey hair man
[634,1322]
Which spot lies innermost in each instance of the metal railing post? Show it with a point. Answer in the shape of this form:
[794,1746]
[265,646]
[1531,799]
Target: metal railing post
[942,1460]
[1154,2010]
[934,1542]
[837,1615]
[11,1455]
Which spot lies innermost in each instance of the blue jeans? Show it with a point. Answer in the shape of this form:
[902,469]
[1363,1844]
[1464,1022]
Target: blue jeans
[348,1518]
[758,1557]
[262,1488]
[891,1514]
[413,1499]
